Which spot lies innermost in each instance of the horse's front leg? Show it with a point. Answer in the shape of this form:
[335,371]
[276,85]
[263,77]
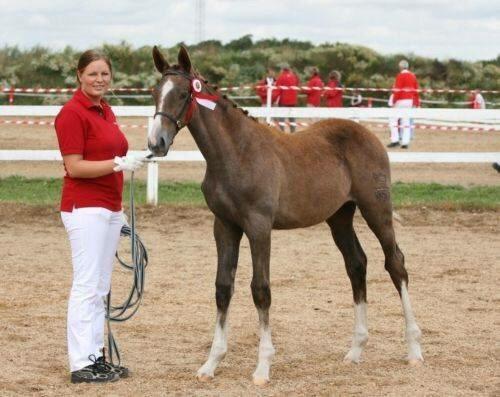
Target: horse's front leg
[227,238]
[259,236]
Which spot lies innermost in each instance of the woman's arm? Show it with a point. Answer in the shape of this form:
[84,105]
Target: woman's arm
[79,168]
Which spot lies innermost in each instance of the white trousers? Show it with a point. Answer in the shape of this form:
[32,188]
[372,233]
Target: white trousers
[405,122]
[93,234]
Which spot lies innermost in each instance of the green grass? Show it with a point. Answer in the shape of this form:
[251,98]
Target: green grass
[47,192]
[446,196]
[39,191]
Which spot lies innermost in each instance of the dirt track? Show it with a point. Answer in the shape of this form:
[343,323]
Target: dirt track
[452,258]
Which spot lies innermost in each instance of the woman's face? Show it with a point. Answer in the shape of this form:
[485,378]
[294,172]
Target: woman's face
[95,79]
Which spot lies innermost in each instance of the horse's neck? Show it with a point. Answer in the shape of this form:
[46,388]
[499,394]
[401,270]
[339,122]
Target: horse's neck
[220,134]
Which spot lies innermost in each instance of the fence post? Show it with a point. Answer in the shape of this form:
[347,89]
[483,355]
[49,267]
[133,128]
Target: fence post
[11,96]
[152,186]
[269,102]
[152,182]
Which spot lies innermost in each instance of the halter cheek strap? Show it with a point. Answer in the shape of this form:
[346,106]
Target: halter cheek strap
[195,96]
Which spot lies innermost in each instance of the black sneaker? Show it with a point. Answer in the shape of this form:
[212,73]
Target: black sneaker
[93,373]
[122,372]
[404,146]
[393,144]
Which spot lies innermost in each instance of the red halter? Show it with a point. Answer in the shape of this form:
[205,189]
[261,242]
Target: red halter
[195,96]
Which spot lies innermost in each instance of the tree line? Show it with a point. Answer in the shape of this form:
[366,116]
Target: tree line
[244,60]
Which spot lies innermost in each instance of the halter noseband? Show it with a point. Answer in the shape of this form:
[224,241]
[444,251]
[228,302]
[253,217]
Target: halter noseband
[188,102]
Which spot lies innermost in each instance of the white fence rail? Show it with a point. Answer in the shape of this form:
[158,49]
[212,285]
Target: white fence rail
[459,116]
[196,156]
[491,116]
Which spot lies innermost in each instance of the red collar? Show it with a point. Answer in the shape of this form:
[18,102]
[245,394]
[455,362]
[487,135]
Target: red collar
[85,100]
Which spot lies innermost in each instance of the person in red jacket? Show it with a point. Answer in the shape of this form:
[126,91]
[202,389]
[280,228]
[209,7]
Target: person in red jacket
[94,152]
[261,89]
[287,97]
[404,95]
[315,85]
[335,95]
[476,100]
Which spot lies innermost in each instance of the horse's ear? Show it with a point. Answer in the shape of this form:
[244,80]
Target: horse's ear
[183,59]
[160,61]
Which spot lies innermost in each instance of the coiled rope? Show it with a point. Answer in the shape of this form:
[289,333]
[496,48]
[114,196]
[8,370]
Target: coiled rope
[131,304]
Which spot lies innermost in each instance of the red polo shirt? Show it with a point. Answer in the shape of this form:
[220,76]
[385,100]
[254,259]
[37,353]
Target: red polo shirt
[90,130]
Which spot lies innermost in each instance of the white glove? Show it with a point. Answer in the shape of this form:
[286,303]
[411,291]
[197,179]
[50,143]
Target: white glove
[128,163]
[124,218]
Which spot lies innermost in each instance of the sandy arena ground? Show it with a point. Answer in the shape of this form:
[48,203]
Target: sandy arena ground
[453,260]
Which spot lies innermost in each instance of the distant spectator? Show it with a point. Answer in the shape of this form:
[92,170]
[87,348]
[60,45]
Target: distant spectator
[269,79]
[316,86]
[404,95]
[287,97]
[476,100]
[356,99]
[335,95]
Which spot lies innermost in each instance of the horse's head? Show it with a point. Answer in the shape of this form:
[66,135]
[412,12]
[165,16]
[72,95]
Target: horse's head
[173,101]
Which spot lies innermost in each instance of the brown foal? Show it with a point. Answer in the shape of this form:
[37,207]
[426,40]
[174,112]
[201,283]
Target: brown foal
[258,179]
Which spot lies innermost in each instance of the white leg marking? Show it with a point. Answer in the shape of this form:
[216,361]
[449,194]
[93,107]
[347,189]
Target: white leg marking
[360,335]
[413,332]
[266,354]
[217,351]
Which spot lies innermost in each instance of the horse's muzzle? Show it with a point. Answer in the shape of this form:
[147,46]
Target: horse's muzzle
[161,147]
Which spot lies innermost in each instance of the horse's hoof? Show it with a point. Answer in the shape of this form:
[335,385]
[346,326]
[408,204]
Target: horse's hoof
[415,362]
[349,359]
[260,381]
[204,378]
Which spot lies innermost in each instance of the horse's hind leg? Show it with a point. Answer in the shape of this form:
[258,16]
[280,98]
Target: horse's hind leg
[227,238]
[378,214]
[355,262]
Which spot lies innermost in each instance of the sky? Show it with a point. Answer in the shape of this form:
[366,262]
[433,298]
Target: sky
[443,29]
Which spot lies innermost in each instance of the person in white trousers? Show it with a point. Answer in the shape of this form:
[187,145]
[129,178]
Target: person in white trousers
[400,127]
[94,152]
[405,95]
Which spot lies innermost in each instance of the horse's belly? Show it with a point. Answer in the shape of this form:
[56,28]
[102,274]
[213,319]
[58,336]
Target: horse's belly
[306,213]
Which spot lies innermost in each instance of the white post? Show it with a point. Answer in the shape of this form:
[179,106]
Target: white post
[152,195]
[152,181]
[269,102]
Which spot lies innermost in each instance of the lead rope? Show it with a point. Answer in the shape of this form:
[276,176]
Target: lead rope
[139,262]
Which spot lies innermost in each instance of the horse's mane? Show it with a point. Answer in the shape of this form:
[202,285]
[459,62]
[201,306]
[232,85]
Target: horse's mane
[214,89]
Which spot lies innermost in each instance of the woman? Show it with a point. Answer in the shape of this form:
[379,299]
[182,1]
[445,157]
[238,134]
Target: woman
[94,152]
[316,87]
[334,95]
